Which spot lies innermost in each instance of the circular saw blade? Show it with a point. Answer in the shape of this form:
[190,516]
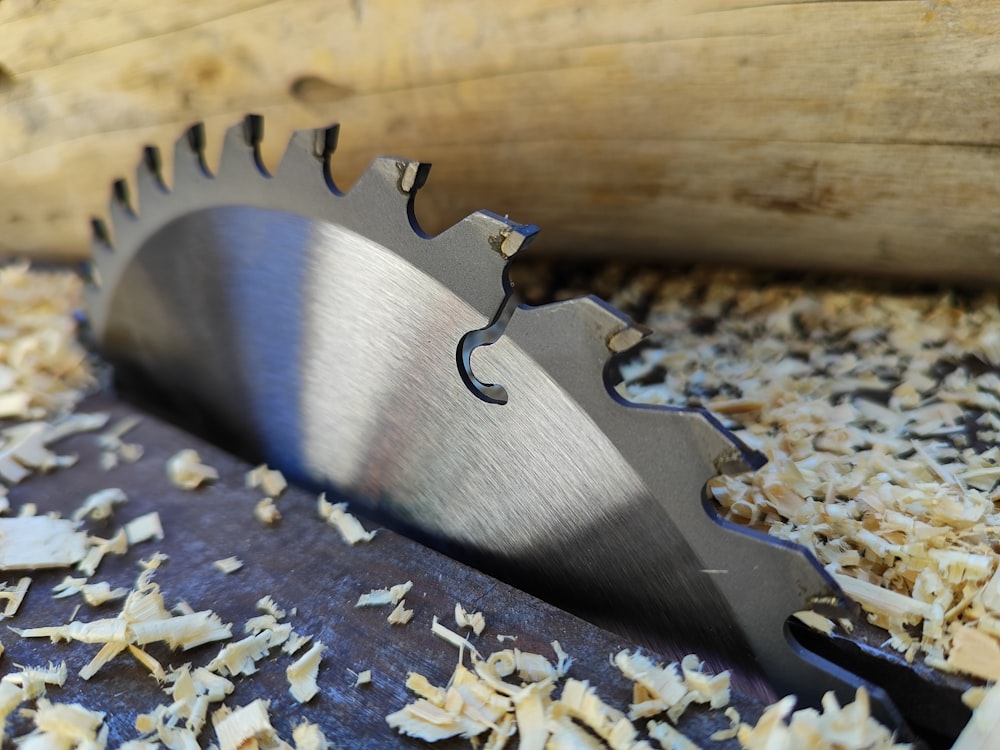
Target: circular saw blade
[325,333]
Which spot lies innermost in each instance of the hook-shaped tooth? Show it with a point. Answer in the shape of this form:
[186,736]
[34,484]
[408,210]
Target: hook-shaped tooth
[241,157]
[379,191]
[120,207]
[100,238]
[189,157]
[149,176]
[306,164]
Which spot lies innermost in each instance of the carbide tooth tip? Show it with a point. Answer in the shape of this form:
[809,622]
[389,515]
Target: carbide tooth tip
[121,207]
[149,174]
[325,140]
[189,155]
[505,237]
[626,338]
[253,129]
[99,236]
[241,145]
[412,175]
[382,180]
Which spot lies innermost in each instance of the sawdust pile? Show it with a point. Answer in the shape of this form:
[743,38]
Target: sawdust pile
[43,368]
[879,415]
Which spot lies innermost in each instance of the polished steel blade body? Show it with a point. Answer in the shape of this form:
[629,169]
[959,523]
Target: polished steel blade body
[324,332]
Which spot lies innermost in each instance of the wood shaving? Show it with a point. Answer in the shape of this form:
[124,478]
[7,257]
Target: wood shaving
[671,688]
[186,471]
[99,548]
[65,725]
[37,542]
[94,594]
[244,725]
[668,737]
[302,674]
[308,736]
[100,505]
[146,527]
[476,621]
[271,481]
[815,621]
[482,702]
[43,367]
[349,527]
[734,726]
[984,727]
[400,615]
[364,677]
[850,727]
[228,565]
[114,449]
[452,638]
[384,597]
[12,596]
[267,512]
[143,619]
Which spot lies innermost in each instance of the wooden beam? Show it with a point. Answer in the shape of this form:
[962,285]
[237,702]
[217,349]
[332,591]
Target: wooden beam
[849,136]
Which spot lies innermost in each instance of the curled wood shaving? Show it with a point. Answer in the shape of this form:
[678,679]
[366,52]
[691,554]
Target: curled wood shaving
[245,724]
[302,674]
[186,471]
[267,512]
[384,597]
[483,702]
[349,527]
[59,725]
[12,596]
[671,688]
[475,621]
[308,736]
[100,505]
[850,727]
[43,368]
[271,481]
[400,615]
[143,619]
[114,449]
[94,594]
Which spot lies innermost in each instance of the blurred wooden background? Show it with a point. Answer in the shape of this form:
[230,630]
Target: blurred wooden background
[845,135]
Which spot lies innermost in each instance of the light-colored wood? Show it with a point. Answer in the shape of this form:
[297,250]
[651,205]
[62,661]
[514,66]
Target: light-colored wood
[847,135]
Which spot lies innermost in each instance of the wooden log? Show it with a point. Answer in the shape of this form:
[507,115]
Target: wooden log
[854,136]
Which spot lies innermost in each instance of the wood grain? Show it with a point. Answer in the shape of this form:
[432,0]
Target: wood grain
[838,135]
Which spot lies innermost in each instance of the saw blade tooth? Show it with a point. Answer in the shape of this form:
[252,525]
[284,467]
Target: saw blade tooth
[241,157]
[382,184]
[121,212]
[190,166]
[504,237]
[149,177]
[483,243]
[100,254]
[307,150]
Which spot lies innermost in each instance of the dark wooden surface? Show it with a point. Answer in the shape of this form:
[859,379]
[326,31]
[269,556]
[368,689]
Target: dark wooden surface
[301,563]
